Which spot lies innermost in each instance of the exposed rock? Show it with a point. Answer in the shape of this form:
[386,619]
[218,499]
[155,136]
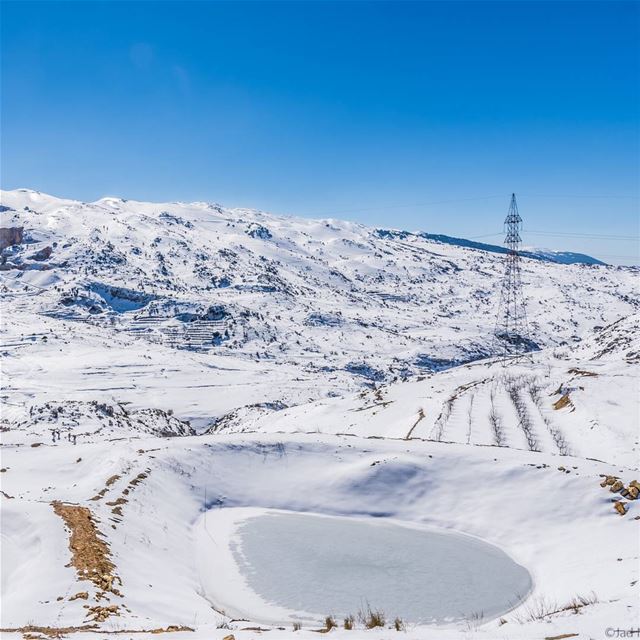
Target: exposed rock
[106,582]
[43,254]
[564,401]
[111,480]
[170,629]
[616,486]
[259,231]
[93,418]
[620,507]
[100,614]
[10,236]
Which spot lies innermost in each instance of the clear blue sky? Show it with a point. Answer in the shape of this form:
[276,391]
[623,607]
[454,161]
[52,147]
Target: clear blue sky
[369,111]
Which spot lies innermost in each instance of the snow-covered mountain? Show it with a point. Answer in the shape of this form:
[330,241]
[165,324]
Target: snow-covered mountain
[562,257]
[325,295]
[172,373]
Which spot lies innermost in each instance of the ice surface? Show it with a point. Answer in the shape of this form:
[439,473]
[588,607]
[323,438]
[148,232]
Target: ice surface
[339,566]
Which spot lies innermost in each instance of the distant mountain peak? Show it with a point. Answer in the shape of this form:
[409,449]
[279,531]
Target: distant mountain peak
[549,255]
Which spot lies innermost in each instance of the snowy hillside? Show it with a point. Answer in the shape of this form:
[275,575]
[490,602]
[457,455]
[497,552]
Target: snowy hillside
[563,257]
[333,301]
[581,401]
[226,424]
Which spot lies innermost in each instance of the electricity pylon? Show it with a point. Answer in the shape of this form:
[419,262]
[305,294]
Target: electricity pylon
[511,326]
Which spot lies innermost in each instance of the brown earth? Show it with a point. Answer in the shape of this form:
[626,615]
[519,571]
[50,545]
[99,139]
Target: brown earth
[89,552]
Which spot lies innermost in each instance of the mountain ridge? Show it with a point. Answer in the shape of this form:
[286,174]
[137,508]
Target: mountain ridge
[328,296]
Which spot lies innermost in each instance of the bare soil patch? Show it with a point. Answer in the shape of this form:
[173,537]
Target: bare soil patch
[89,552]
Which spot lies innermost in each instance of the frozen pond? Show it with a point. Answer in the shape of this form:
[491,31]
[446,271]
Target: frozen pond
[325,565]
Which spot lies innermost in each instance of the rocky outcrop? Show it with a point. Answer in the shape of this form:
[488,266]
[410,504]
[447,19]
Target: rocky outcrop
[608,481]
[43,254]
[630,492]
[259,231]
[616,486]
[620,507]
[10,236]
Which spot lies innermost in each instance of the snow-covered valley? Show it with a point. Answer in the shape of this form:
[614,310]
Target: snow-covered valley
[166,367]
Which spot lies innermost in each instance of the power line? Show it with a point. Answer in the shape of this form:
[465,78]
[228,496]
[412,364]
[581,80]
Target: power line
[605,255]
[477,198]
[405,205]
[486,235]
[601,236]
[612,197]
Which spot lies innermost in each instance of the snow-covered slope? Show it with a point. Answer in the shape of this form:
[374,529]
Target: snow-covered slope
[169,370]
[582,401]
[148,498]
[327,300]
[562,257]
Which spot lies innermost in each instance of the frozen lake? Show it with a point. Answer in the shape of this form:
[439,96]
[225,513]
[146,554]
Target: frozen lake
[326,565]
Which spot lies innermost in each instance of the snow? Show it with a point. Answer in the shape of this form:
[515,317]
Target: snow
[399,300]
[560,526]
[321,371]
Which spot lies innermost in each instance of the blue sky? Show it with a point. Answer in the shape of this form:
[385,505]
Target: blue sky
[419,115]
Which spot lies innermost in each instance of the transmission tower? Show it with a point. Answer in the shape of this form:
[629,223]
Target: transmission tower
[511,327]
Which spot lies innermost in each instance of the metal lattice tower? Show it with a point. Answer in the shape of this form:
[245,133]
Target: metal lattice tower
[511,327]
